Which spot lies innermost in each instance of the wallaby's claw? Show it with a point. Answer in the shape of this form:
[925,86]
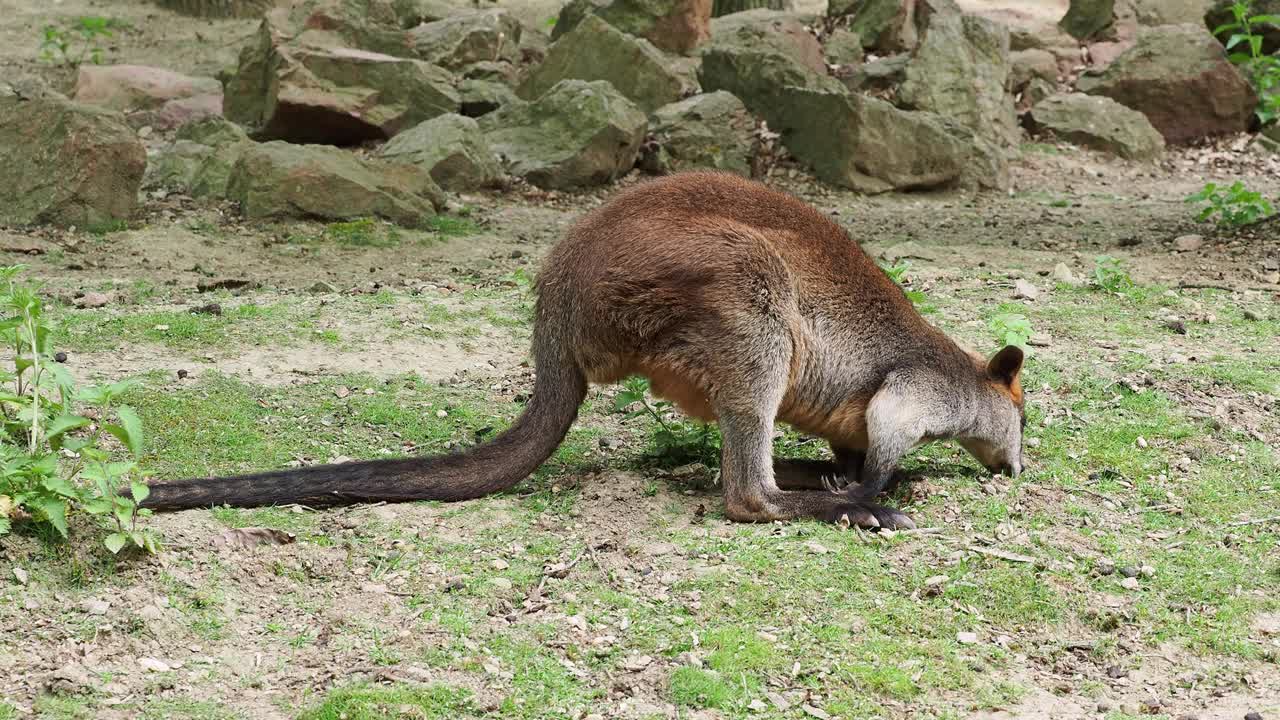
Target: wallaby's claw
[869,516]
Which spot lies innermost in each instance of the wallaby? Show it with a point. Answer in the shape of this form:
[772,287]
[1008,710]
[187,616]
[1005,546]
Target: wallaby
[742,305]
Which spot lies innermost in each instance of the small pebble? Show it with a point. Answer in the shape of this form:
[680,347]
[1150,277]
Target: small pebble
[967,638]
[1106,566]
[60,357]
[1129,583]
[1253,716]
[1129,571]
[182,374]
[1147,571]
[1142,442]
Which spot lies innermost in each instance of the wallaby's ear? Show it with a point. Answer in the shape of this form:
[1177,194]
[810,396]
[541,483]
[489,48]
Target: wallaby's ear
[1006,364]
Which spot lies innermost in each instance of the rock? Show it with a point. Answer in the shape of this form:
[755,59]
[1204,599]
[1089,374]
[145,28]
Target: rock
[577,134]
[1129,571]
[1253,716]
[757,62]
[960,71]
[817,548]
[636,663]
[1039,340]
[1188,243]
[967,638]
[1086,19]
[137,87]
[1023,290]
[880,76]
[1130,584]
[866,144]
[65,163]
[68,679]
[1171,12]
[677,26]
[176,113]
[713,131]
[885,26]
[1027,65]
[153,664]
[595,50]
[449,147]
[199,161]
[1063,274]
[842,48]
[220,8]
[320,287]
[1100,123]
[460,40]
[784,32]
[1220,14]
[481,97]
[277,179]
[1180,78]
[94,606]
[339,96]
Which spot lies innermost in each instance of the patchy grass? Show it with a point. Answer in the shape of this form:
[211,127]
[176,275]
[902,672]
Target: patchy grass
[370,702]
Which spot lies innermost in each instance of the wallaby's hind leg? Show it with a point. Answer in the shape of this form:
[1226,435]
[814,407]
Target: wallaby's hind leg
[751,493]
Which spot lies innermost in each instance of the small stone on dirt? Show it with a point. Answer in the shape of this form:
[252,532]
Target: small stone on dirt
[1129,583]
[500,564]
[967,638]
[815,712]
[1129,571]
[1106,566]
[1023,290]
[1141,442]
[1176,326]
[95,607]
[637,663]
[321,286]
[778,701]
[1188,243]
[60,357]
[1147,571]
[1063,274]
[152,664]
[501,583]
[92,300]
[20,575]
[817,548]
[1040,340]
[1253,716]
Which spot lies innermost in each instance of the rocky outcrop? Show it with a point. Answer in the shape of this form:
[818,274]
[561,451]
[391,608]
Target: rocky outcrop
[461,40]
[220,8]
[451,148]
[1086,19]
[279,180]
[595,50]
[300,92]
[200,160]
[713,131]
[1099,123]
[137,87]
[960,71]
[1180,78]
[757,58]
[883,26]
[64,162]
[677,26]
[577,134]
[868,145]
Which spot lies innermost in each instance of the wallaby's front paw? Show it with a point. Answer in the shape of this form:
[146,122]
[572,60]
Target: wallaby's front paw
[870,516]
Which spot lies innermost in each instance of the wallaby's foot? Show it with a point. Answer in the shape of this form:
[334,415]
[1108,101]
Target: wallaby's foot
[868,515]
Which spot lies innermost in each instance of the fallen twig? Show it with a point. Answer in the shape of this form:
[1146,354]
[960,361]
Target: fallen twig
[1002,554]
[1259,521]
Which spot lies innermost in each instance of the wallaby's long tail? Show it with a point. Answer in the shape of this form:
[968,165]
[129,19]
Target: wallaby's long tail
[558,390]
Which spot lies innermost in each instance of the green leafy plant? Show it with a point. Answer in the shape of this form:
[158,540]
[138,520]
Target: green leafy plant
[76,40]
[1263,69]
[675,441]
[1110,275]
[1234,206]
[1011,329]
[898,274]
[52,459]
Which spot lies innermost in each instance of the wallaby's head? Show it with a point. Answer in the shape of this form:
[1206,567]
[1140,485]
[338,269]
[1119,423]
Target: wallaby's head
[995,439]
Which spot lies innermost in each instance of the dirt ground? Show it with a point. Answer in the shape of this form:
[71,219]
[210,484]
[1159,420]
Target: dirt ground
[610,586]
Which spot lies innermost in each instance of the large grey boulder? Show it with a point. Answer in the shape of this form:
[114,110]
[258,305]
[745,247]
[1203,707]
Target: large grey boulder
[713,131]
[578,134]
[757,58]
[451,148]
[282,180]
[1087,19]
[461,40]
[960,70]
[868,145]
[1099,123]
[1180,78]
[481,97]
[784,32]
[885,26]
[302,91]
[137,87]
[199,161]
[677,26]
[63,162]
[595,50]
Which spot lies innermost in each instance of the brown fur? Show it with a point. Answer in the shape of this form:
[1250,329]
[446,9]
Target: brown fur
[742,305]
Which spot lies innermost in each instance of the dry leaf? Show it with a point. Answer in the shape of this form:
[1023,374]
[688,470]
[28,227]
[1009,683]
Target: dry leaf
[252,537]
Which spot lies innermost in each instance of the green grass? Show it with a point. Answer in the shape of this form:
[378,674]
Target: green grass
[400,702]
